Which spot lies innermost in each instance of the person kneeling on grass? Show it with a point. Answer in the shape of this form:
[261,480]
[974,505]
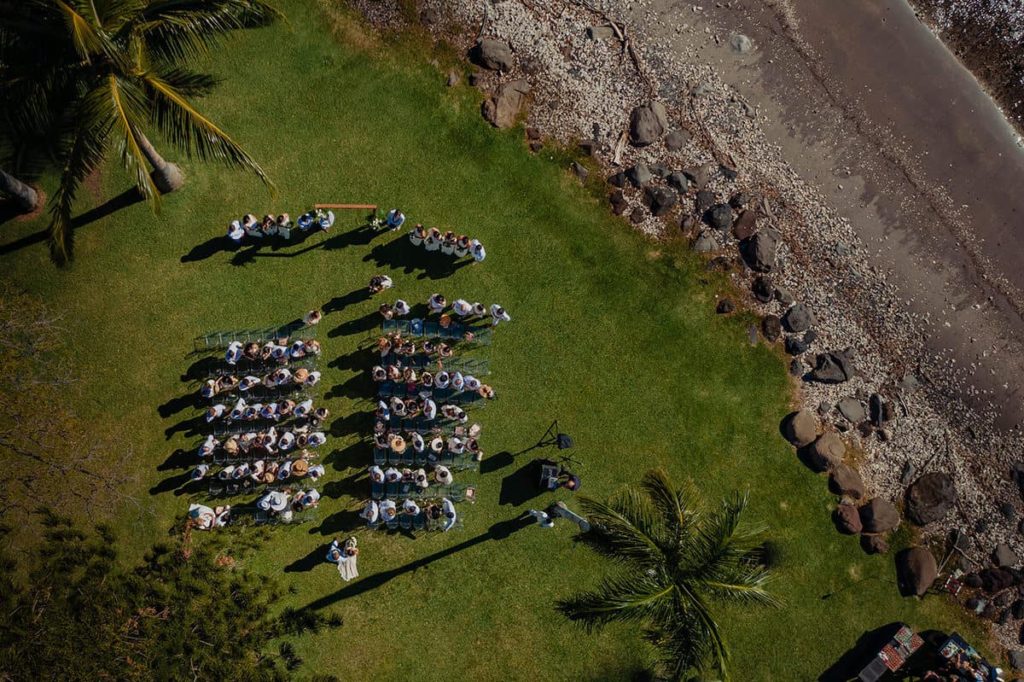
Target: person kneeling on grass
[201,516]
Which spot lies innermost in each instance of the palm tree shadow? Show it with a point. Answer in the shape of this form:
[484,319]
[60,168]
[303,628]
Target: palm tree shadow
[125,199]
[499,531]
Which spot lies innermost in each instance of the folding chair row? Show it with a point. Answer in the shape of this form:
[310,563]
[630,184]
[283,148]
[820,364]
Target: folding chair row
[463,462]
[456,492]
[474,366]
[418,522]
[427,329]
[261,368]
[390,389]
[237,428]
[297,392]
[220,340]
[224,459]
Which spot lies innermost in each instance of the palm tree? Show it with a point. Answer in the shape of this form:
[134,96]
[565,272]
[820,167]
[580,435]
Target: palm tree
[26,197]
[677,559]
[101,72]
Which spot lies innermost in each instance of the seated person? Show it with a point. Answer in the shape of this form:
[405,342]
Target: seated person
[392,475]
[223,516]
[429,409]
[269,226]
[387,311]
[287,407]
[417,235]
[383,412]
[421,480]
[199,473]
[215,412]
[471,383]
[395,219]
[208,446]
[378,374]
[252,351]
[236,232]
[443,475]
[456,446]
[298,349]
[388,511]
[449,513]
[427,382]
[371,512]
[315,472]
[433,240]
[410,507]
[308,499]
[312,379]
[448,243]
[462,307]
[269,411]
[376,474]
[442,380]
[412,407]
[251,225]
[458,382]
[569,480]
[418,444]
[486,391]
[320,414]
[234,353]
[462,245]
[302,409]
[445,321]
[201,516]
[444,350]
[437,303]
[394,373]
[401,308]
[286,441]
[248,382]
[275,500]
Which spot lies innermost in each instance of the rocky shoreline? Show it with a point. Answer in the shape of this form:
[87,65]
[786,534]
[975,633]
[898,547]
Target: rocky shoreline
[988,37]
[685,152]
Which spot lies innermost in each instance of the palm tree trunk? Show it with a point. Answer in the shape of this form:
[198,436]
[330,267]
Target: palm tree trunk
[166,176]
[26,197]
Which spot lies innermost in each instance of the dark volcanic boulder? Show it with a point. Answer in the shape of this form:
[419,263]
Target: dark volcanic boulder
[639,175]
[759,252]
[720,217]
[874,544]
[795,345]
[1004,557]
[930,498]
[660,200]
[762,288]
[916,571]
[676,140]
[801,428]
[879,516]
[832,368]
[678,181]
[704,201]
[798,318]
[725,306]
[745,226]
[847,519]
[846,481]
[492,54]
[503,108]
[618,201]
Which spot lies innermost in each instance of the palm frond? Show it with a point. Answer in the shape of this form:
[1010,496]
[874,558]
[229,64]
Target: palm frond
[87,40]
[697,614]
[681,647]
[624,528]
[85,147]
[631,597]
[128,107]
[181,30]
[189,130]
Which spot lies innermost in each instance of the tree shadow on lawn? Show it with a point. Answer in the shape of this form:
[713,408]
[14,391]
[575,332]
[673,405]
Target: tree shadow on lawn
[499,531]
[402,254]
[123,200]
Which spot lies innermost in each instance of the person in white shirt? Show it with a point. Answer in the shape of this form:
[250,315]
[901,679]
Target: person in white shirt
[269,411]
[436,303]
[442,380]
[208,446]
[449,513]
[443,475]
[471,383]
[456,446]
[392,475]
[418,444]
[248,382]
[298,349]
[284,471]
[277,351]
[286,442]
[379,283]
[275,500]
[477,249]
[223,515]
[371,512]
[234,353]
[417,235]
[309,499]
[429,409]
[316,439]
[312,317]
[215,412]
[236,232]
[401,308]
[202,517]
[462,307]
[376,474]
[458,383]
[410,507]
[334,554]
[200,472]
[303,408]
[433,240]
[395,219]
[313,378]
[238,410]
[383,412]
[422,482]
[315,472]
[499,314]
[388,510]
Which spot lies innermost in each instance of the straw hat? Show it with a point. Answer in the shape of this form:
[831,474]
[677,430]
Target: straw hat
[397,443]
[300,467]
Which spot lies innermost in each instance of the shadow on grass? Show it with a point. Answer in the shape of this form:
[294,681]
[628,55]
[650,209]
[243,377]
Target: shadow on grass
[308,562]
[125,199]
[358,387]
[402,254]
[871,642]
[179,403]
[355,455]
[497,462]
[339,303]
[360,236]
[499,531]
[360,324]
[361,359]
[339,522]
[521,486]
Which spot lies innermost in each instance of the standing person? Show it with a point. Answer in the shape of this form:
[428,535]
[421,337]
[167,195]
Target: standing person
[347,567]
[544,519]
[379,283]
[395,219]
[312,317]
[499,314]
[477,249]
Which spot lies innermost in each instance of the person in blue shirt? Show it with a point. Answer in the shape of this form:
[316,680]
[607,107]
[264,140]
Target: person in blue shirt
[395,219]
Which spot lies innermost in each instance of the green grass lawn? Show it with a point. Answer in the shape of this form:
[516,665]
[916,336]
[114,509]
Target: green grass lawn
[613,335]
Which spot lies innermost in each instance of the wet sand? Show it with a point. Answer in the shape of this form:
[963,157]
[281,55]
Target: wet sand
[872,109]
